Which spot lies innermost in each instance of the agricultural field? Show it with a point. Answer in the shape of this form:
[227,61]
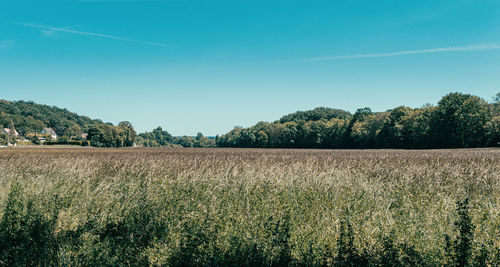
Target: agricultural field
[271,207]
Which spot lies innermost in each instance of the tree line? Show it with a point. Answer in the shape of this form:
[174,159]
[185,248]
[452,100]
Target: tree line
[104,135]
[160,138]
[29,119]
[457,121]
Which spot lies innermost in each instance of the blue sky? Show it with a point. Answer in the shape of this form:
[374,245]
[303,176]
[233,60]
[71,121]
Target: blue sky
[208,65]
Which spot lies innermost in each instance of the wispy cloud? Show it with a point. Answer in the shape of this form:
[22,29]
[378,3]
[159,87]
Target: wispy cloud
[48,30]
[478,47]
[4,43]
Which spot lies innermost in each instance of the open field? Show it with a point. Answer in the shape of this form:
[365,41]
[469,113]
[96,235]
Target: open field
[84,206]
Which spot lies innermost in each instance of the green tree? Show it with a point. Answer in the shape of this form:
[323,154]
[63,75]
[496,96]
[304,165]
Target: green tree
[108,136]
[392,132]
[335,132]
[34,139]
[276,135]
[363,132]
[32,117]
[261,139]
[495,106]
[405,127]
[317,135]
[204,142]
[186,141]
[459,120]
[493,131]
[156,138]
[3,139]
[358,116]
[128,132]
[73,131]
[320,113]
[96,136]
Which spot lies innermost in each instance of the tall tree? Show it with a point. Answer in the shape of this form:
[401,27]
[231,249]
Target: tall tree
[359,115]
[129,133]
[459,121]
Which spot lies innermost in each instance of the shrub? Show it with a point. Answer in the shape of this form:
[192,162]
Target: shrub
[27,235]
[459,249]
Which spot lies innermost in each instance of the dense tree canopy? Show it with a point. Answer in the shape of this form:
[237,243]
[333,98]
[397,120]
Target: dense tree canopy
[31,117]
[320,113]
[104,135]
[160,138]
[459,120]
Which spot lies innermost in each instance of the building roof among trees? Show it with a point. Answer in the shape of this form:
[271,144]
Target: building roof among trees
[9,131]
[49,131]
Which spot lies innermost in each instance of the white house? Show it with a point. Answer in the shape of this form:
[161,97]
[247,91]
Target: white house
[49,131]
[10,132]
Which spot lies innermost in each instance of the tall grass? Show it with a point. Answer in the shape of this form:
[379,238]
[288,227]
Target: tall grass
[214,207]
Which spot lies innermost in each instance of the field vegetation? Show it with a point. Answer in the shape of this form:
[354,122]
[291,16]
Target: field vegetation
[218,207]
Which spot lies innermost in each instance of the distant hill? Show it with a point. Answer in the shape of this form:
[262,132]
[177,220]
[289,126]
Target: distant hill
[28,116]
[30,119]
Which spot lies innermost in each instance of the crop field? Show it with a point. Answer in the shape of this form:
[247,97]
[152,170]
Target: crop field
[220,207]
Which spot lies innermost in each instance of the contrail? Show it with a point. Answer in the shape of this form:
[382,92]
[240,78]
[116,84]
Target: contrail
[95,34]
[408,52]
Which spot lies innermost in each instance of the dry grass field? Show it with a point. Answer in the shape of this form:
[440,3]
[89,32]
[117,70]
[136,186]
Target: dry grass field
[178,207]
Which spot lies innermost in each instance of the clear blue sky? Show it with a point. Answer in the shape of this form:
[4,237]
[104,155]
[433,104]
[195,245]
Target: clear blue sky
[208,65]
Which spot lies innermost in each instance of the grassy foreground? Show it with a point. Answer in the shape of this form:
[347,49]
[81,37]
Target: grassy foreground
[178,207]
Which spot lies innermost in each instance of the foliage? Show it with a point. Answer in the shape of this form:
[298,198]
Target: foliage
[320,113]
[27,236]
[31,117]
[105,135]
[3,139]
[160,138]
[248,207]
[67,142]
[459,120]
[493,131]
[156,138]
